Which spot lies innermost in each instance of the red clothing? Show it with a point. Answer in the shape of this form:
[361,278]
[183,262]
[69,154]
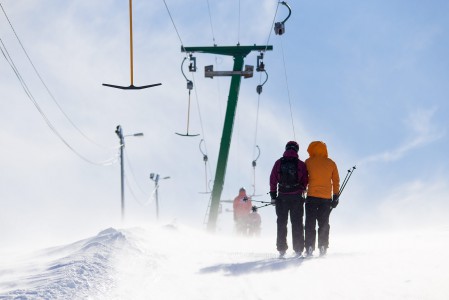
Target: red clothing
[302,174]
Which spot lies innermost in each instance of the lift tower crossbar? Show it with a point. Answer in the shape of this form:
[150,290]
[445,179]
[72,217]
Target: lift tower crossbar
[238,53]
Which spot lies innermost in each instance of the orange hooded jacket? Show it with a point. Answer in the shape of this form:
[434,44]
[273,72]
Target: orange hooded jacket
[324,180]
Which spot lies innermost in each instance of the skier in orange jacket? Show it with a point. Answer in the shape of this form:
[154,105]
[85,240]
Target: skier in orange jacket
[322,195]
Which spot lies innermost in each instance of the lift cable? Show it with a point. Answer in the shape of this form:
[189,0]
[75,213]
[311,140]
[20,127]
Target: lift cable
[238,28]
[173,22]
[279,29]
[131,169]
[288,90]
[201,121]
[254,164]
[47,121]
[131,191]
[47,89]
[192,68]
[210,20]
[272,25]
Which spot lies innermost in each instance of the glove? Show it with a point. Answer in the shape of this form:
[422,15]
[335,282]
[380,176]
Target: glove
[273,196]
[334,201]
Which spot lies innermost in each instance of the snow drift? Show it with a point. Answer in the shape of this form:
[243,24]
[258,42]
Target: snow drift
[171,262]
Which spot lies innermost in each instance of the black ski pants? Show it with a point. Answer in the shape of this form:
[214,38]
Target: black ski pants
[293,204]
[317,210]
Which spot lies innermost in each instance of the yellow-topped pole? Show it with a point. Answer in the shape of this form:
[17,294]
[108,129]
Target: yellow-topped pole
[131,40]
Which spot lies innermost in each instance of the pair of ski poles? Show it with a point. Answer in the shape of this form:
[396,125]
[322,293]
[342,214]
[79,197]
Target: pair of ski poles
[343,185]
[345,181]
[257,207]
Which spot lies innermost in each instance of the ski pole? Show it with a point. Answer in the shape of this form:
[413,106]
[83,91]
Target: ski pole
[246,199]
[263,205]
[345,181]
[258,201]
[346,178]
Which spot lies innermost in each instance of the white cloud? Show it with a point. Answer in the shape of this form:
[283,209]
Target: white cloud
[416,204]
[423,131]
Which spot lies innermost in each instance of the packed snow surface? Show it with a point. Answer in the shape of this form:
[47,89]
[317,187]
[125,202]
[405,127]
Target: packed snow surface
[174,262]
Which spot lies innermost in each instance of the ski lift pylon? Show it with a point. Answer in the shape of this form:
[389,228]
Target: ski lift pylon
[131,86]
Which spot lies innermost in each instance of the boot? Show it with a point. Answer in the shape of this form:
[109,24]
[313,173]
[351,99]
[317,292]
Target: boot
[323,251]
[309,251]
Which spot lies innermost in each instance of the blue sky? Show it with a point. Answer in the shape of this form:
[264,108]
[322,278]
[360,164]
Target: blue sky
[368,78]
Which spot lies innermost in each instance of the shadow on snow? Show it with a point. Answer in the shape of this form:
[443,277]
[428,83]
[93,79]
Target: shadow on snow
[259,266]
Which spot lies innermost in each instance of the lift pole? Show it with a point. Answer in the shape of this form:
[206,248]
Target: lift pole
[239,53]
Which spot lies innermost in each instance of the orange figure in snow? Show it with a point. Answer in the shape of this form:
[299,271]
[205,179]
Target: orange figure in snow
[242,208]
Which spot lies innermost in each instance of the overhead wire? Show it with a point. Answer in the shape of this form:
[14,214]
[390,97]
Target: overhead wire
[133,195]
[285,69]
[200,118]
[174,25]
[272,26]
[30,96]
[131,190]
[238,29]
[46,87]
[288,90]
[210,20]
[216,58]
[260,80]
[131,169]
[255,146]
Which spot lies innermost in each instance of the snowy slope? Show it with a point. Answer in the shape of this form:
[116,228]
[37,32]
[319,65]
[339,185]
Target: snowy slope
[173,262]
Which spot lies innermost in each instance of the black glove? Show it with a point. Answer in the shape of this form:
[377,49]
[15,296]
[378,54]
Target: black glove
[335,199]
[273,196]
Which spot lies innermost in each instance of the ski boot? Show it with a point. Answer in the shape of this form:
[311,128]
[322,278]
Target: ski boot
[309,252]
[323,251]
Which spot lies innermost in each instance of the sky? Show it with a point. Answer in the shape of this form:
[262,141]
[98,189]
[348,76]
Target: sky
[367,78]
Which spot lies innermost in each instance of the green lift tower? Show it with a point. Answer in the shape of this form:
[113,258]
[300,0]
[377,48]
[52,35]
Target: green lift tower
[238,53]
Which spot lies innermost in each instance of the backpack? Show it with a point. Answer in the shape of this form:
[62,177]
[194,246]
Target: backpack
[288,175]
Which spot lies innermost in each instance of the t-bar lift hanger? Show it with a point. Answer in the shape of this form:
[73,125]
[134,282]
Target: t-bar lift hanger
[131,86]
[192,68]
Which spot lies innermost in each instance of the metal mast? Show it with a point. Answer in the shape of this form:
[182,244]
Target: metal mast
[238,53]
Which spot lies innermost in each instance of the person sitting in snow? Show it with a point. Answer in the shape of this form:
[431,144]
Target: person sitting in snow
[242,208]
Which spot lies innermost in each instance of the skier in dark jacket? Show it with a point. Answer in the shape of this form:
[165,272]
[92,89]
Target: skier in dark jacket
[288,181]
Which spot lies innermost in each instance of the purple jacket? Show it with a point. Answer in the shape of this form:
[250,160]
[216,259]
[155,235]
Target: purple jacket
[303,176]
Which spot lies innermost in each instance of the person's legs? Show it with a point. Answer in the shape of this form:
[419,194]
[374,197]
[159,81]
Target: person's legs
[323,213]
[282,218]
[296,219]
[311,217]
